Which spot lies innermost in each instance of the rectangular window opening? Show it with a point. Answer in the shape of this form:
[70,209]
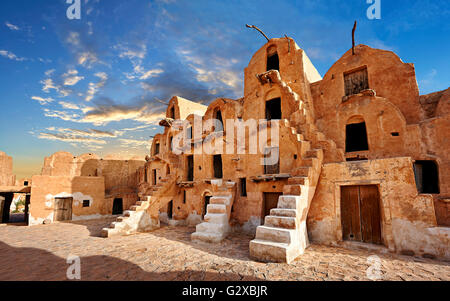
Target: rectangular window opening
[356,81]
[243,185]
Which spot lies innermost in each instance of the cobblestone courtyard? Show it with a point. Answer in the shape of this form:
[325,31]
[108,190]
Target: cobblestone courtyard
[40,253]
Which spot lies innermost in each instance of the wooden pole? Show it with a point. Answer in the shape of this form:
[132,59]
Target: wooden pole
[254,27]
[353,38]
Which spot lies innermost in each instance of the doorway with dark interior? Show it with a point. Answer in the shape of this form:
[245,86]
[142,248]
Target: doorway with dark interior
[273,109]
[218,168]
[190,168]
[270,201]
[426,174]
[117,206]
[14,208]
[356,137]
[273,62]
[206,202]
[170,209]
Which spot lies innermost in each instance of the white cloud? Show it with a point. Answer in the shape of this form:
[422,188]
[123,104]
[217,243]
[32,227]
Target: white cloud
[71,78]
[11,56]
[12,26]
[69,105]
[87,59]
[151,73]
[43,101]
[94,87]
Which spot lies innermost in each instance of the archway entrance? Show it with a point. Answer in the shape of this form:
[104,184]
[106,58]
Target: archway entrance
[206,202]
[356,136]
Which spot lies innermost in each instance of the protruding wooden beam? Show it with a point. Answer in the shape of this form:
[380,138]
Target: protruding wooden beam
[254,27]
[353,38]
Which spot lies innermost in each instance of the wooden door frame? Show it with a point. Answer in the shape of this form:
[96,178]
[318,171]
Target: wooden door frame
[55,209]
[387,238]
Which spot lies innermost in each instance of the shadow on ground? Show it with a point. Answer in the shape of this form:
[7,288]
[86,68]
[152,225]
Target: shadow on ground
[39,265]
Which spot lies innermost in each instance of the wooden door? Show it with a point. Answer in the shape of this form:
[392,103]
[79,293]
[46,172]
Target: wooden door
[360,214]
[370,214]
[63,209]
[351,223]
[270,201]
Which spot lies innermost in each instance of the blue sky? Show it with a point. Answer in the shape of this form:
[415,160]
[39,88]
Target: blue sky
[96,84]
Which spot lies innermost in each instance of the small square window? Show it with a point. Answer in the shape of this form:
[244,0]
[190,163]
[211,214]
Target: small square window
[86,203]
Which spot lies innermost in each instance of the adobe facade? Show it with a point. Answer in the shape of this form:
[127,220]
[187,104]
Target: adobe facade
[87,185]
[361,159]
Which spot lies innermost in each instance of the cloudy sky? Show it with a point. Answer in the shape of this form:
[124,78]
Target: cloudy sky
[97,84]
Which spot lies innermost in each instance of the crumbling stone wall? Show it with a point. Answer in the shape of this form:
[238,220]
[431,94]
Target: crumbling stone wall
[7,178]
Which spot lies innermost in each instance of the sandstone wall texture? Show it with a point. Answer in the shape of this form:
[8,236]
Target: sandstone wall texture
[84,178]
[402,127]
[7,177]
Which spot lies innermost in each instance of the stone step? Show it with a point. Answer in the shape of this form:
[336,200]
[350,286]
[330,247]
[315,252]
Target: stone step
[280,222]
[134,208]
[303,171]
[121,218]
[275,234]
[289,201]
[297,180]
[104,232]
[295,189]
[216,208]
[308,162]
[139,203]
[212,228]
[216,218]
[127,213]
[283,212]
[207,237]
[315,153]
[269,251]
[225,200]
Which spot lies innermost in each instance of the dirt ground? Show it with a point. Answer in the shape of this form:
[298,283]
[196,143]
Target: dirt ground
[41,253]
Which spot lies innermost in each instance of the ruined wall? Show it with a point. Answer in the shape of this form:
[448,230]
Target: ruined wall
[408,219]
[101,180]
[387,75]
[46,188]
[7,178]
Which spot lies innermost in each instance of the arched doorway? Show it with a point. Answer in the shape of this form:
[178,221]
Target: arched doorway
[356,135]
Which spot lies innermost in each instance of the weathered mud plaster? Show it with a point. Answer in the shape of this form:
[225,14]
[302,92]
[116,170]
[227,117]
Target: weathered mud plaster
[300,199]
[248,227]
[89,217]
[194,219]
[419,239]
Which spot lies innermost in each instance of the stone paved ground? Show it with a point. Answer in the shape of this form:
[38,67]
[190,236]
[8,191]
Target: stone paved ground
[39,253]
